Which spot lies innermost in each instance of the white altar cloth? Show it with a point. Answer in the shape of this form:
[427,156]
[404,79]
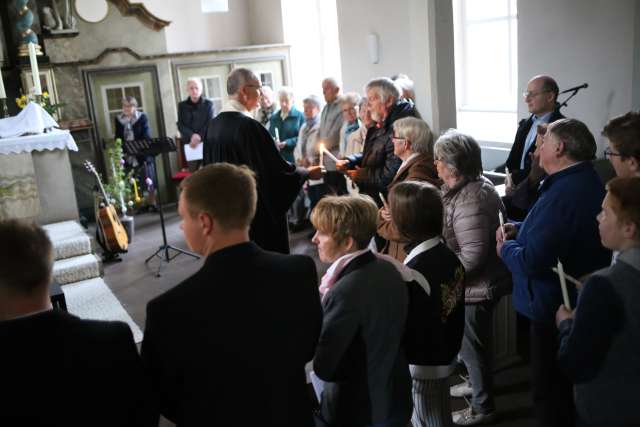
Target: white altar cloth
[56,139]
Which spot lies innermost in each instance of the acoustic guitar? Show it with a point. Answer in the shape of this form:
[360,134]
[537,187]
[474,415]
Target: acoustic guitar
[114,233]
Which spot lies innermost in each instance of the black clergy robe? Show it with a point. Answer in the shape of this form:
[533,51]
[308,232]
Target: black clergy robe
[235,138]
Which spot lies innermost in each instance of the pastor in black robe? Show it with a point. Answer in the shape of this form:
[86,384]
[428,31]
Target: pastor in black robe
[233,137]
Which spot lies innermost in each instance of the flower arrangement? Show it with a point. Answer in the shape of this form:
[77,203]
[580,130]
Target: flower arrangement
[119,184]
[45,102]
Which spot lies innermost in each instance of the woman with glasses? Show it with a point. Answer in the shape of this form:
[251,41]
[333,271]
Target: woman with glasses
[413,144]
[471,218]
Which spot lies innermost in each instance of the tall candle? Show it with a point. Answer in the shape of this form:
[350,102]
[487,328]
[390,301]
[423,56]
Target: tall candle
[563,286]
[35,73]
[321,154]
[3,94]
[277,134]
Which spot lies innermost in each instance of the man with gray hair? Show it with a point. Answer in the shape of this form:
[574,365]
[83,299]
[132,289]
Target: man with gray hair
[374,168]
[561,226]
[235,137]
[329,131]
[194,114]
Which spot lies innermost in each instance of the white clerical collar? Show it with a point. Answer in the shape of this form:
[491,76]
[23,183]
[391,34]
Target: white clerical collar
[422,247]
[233,105]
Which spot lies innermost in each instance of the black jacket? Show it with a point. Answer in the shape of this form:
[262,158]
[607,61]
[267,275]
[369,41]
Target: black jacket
[194,118]
[515,155]
[435,323]
[377,162]
[228,345]
[140,128]
[360,351]
[235,138]
[58,370]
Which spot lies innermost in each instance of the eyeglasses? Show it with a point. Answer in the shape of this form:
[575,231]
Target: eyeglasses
[608,153]
[528,94]
[258,87]
[398,139]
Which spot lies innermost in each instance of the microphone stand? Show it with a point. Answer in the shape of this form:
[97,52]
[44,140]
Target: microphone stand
[574,92]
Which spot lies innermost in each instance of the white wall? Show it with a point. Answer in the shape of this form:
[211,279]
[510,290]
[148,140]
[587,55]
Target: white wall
[415,37]
[578,41]
[265,22]
[191,30]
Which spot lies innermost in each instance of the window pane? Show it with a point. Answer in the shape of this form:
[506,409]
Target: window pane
[136,92]
[266,79]
[114,98]
[485,9]
[488,69]
[213,87]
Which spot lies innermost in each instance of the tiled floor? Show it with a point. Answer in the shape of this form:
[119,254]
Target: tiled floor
[134,283]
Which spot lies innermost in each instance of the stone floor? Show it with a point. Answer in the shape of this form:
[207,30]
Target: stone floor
[135,283]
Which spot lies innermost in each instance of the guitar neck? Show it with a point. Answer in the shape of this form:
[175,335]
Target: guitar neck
[102,190]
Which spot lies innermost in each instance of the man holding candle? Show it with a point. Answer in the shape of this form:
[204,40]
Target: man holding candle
[235,137]
[374,168]
[559,226]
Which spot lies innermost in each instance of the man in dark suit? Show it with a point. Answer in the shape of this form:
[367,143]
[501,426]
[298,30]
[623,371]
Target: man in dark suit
[228,345]
[235,137]
[541,98]
[46,351]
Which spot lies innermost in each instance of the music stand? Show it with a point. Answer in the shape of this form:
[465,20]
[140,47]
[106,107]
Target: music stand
[154,147]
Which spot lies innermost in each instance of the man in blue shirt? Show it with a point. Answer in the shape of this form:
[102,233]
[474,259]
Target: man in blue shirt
[560,226]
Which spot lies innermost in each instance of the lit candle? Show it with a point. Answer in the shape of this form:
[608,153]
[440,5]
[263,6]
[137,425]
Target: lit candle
[3,94]
[35,73]
[331,156]
[563,285]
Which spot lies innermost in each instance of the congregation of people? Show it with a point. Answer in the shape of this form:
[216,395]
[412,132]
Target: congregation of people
[418,260]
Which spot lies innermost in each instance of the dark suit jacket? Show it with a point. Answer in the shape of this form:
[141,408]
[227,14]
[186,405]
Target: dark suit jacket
[515,155]
[228,345]
[235,138]
[194,118]
[58,370]
[360,351]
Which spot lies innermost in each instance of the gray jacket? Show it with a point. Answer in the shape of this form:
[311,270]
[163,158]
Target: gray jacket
[470,223]
[360,352]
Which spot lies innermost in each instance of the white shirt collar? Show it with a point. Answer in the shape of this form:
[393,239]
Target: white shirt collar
[422,247]
[233,105]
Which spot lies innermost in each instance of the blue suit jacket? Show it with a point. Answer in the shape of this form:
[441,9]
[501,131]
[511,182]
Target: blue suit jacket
[561,225]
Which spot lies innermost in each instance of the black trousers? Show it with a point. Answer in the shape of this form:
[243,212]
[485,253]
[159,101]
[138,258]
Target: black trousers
[552,390]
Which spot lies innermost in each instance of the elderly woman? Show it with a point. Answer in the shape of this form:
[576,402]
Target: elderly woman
[133,125]
[471,218]
[285,124]
[349,103]
[435,323]
[360,356]
[413,144]
[599,344]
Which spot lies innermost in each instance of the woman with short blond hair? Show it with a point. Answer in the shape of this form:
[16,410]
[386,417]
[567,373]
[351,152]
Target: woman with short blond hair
[360,356]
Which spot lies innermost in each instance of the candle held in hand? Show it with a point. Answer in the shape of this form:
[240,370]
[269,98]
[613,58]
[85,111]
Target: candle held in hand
[563,285]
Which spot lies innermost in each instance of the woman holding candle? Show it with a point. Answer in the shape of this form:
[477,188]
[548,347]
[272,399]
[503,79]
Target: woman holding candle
[599,342]
[471,218]
[285,124]
[413,144]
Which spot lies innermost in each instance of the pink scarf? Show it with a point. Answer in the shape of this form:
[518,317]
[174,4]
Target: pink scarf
[332,274]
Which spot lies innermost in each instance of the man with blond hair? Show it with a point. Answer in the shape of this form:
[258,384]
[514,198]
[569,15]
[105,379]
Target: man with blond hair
[247,320]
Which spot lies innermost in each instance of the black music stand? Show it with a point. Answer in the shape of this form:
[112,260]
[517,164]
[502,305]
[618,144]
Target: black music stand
[154,147]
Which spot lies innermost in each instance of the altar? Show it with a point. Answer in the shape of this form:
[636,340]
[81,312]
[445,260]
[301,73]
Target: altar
[35,177]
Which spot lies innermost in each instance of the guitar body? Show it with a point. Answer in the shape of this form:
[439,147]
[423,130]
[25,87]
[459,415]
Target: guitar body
[115,236]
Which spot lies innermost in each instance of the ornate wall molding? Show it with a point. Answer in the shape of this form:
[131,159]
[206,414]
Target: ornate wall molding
[141,12]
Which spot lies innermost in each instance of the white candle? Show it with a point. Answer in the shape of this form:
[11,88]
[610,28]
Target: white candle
[501,218]
[563,285]
[277,135]
[35,73]
[3,94]
[331,156]
[507,179]
[321,154]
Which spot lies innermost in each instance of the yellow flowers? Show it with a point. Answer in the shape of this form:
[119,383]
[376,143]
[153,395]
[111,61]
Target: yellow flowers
[45,102]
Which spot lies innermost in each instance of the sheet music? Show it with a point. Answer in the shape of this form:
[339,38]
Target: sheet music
[191,154]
